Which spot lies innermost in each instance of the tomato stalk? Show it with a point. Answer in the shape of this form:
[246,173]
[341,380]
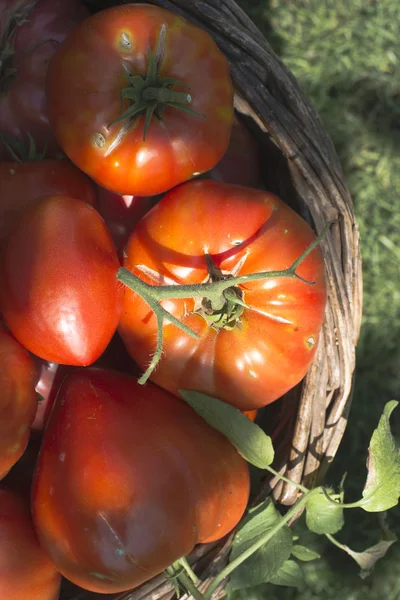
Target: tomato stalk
[221,298]
[152,94]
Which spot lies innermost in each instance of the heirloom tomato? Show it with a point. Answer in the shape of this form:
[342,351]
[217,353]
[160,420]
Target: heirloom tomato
[241,162]
[23,182]
[128,480]
[121,213]
[18,400]
[247,355]
[176,92]
[26,573]
[29,35]
[60,296]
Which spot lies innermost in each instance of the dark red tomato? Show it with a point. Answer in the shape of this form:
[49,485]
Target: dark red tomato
[109,52]
[18,401]
[23,182]
[241,162]
[30,33]
[25,570]
[265,350]
[121,213]
[59,296]
[128,480]
[51,376]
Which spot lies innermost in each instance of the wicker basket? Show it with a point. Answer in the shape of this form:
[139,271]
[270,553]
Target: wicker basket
[301,166]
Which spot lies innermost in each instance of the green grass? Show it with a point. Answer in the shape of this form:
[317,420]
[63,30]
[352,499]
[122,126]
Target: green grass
[346,56]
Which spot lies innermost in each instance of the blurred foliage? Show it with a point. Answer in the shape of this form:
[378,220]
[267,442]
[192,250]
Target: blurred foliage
[346,56]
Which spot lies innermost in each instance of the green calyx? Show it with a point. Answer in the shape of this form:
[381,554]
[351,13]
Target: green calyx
[151,94]
[14,17]
[228,315]
[19,151]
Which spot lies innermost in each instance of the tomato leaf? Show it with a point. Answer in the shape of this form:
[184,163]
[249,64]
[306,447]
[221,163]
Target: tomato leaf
[290,575]
[382,488]
[367,559]
[266,562]
[248,438]
[322,516]
[303,553]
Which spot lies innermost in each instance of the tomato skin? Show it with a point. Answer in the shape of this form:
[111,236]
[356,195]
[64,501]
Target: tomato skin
[18,401]
[86,76]
[121,213]
[160,481]
[270,351]
[25,570]
[23,105]
[23,182]
[60,297]
[241,162]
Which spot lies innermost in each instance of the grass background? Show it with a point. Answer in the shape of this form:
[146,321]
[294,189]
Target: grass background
[346,56]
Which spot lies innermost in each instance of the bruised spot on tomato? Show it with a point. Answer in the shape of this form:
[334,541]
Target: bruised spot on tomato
[224,112]
[310,342]
[124,41]
[99,140]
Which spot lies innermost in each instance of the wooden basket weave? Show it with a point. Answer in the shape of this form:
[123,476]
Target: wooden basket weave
[301,166]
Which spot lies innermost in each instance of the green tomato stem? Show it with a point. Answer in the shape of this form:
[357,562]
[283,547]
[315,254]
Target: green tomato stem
[287,480]
[185,580]
[257,545]
[184,563]
[357,504]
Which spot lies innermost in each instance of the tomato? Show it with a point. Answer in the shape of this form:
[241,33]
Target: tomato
[60,297]
[115,50]
[128,480]
[30,33]
[18,401]
[263,351]
[23,182]
[25,570]
[50,378]
[241,162]
[121,213]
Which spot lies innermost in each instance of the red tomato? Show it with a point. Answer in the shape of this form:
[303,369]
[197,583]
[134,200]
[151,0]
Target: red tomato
[109,52]
[60,297]
[18,400]
[25,570]
[121,213]
[241,162]
[30,33]
[268,348]
[128,480]
[23,182]
[51,376]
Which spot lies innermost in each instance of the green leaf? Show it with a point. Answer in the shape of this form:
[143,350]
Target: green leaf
[248,438]
[382,488]
[367,559]
[303,553]
[290,575]
[266,562]
[322,516]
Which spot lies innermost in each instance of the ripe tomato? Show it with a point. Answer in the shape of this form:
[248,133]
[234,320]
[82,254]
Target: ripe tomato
[159,481]
[121,213]
[265,350]
[18,401]
[23,182]
[112,51]
[25,570]
[241,162]
[50,378]
[59,296]
[30,33]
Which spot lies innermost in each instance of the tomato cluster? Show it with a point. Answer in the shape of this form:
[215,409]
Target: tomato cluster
[140,239]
